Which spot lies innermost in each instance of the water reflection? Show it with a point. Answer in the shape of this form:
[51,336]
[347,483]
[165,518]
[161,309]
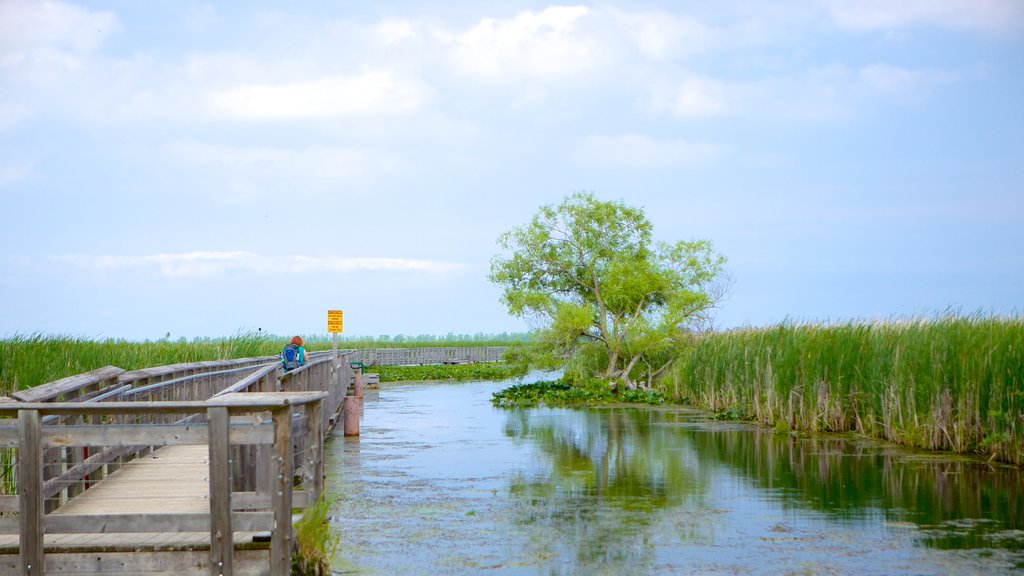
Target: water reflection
[609,471]
[957,502]
[440,482]
[612,478]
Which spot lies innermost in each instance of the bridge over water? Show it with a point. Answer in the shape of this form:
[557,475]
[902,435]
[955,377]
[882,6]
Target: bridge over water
[185,469]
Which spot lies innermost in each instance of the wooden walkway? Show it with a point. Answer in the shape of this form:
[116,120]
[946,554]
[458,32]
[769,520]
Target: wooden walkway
[171,480]
[185,469]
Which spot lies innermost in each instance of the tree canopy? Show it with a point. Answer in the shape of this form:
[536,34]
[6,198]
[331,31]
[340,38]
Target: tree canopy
[590,273]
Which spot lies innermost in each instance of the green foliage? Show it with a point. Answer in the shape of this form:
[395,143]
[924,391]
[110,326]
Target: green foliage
[588,270]
[315,541]
[479,371]
[562,393]
[953,382]
[27,361]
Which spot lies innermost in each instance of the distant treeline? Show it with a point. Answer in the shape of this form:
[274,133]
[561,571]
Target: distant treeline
[31,360]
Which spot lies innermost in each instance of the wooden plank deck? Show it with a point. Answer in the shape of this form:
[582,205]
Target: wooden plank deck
[173,479]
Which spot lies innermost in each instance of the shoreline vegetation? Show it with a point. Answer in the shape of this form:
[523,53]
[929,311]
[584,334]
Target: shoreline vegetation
[27,361]
[953,383]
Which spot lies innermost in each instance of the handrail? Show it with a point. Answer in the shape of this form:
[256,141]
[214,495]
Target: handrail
[190,377]
[68,385]
[271,512]
[249,380]
[72,432]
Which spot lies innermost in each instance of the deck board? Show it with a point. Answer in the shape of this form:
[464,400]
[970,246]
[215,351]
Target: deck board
[172,479]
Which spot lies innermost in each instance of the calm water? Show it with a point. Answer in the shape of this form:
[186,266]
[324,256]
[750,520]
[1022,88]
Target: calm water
[440,482]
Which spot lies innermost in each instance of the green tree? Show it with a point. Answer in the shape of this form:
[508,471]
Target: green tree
[590,273]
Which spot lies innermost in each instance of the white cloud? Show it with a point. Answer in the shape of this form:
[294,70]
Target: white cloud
[375,93]
[32,25]
[665,36]
[898,81]
[207,263]
[694,97]
[393,31]
[261,161]
[638,151]
[245,174]
[824,93]
[958,14]
[540,45]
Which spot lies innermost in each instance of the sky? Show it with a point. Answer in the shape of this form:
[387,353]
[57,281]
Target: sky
[191,169]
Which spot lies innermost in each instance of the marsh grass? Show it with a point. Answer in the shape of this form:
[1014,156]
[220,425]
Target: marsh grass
[315,541]
[949,383]
[28,361]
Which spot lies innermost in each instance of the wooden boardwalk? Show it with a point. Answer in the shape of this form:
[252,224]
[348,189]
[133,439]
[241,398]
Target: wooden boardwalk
[171,480]
[185,469]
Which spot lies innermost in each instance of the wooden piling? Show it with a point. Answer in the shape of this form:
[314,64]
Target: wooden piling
[357,384]
[351,407]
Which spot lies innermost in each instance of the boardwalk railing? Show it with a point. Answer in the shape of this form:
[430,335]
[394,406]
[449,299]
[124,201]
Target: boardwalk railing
[229,420]
[411,356]
[260,432]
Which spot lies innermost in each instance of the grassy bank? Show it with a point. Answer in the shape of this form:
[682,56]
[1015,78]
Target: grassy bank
[28,361]
[953,383]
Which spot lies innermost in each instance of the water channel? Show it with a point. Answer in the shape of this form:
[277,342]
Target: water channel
[441,482]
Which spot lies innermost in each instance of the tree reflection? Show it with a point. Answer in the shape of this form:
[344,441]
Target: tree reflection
[617,484]
[608,474]
[956,502]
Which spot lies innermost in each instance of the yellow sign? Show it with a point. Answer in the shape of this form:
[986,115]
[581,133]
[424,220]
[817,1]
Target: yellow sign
[335,319]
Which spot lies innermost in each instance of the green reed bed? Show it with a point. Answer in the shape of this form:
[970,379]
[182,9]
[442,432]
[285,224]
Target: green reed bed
[951,383]
[31,360]
[27,361]
[479,371]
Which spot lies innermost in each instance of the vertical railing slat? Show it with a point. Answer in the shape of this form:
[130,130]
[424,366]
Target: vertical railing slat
[281,495]
[221,535]
[30,492]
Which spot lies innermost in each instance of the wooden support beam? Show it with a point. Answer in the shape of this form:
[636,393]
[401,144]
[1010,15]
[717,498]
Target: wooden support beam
[314,463]
[30,492]
[221,536]
[281,495]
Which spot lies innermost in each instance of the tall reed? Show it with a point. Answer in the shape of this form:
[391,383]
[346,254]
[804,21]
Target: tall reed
[27,361]
[951,383]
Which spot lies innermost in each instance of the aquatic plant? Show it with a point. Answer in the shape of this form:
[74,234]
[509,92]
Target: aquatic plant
[477,371]
[948,383]
[561,393]
[315,541]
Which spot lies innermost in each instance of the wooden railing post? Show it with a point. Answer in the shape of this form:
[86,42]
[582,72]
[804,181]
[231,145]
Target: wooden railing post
[222,538]
[281,493]
[315,452]
[30,492]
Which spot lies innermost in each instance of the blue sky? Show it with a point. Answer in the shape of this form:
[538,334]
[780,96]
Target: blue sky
[199,169]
